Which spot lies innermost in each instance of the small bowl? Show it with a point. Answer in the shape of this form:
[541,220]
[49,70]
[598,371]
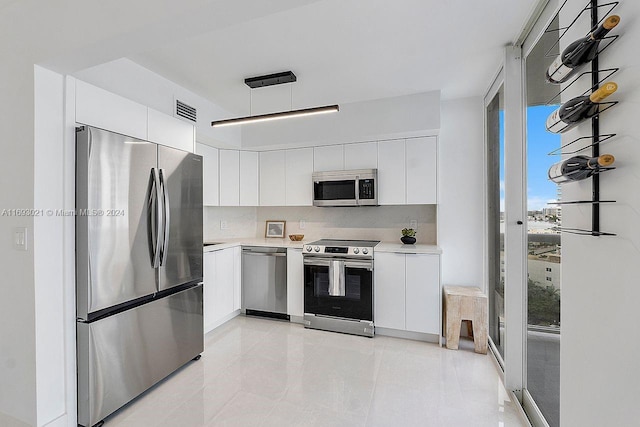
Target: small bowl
[296,237]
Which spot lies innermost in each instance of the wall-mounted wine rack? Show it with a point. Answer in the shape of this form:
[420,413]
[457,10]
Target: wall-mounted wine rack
[596,138]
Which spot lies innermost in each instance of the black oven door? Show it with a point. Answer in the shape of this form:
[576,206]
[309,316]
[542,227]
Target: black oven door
[339,288]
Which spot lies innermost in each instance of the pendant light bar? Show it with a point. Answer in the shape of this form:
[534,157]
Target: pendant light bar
[277,116]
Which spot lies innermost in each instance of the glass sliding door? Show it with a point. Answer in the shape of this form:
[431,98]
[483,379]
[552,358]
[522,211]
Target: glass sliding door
[542,368]
[494,114]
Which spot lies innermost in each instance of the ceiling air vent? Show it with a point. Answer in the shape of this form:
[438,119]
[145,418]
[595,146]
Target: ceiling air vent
[186,111]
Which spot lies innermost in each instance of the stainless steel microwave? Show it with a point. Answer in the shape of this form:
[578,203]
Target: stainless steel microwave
[357,187]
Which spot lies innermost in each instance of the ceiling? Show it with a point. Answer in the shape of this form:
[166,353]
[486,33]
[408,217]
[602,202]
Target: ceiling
[348,50]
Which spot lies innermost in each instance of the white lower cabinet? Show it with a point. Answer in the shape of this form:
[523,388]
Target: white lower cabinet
[407,292]
[422,284]
[389,290]
[221,286]
[295,283]
[237,278]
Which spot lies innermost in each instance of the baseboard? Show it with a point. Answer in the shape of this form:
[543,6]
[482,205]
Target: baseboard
[296,319]
[62,421]
[7,420]
[417,336]
[220,322]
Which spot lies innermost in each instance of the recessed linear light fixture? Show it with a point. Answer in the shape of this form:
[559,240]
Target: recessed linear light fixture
[270,80]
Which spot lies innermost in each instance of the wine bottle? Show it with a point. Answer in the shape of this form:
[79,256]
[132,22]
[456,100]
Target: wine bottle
[578,109]
[578,167]
[579,53]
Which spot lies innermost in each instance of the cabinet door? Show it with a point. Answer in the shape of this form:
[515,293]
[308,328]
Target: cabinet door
[209,174]
[295,283]
[237,278]
[166,130]
[329,158]
[422,170]
[299,168]
[225,283]
[209,291]
[391,173]
[248,178]
[423,293]
[105,110]
[361,156]
[272,178]
[389,290]
[229,178]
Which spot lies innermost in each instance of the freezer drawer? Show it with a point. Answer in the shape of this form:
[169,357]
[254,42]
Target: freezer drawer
[121,356]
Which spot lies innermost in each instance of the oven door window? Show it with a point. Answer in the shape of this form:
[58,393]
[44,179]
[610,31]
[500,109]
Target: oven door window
[334,190]
[357,302]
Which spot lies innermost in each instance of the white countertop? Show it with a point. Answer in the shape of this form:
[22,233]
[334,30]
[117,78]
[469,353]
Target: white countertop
[270,242]
[287,243]
[407,249]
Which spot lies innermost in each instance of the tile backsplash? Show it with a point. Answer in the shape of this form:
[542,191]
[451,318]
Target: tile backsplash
[379,223]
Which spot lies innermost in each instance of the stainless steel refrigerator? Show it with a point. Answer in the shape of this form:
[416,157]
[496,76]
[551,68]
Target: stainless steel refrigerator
[138,267]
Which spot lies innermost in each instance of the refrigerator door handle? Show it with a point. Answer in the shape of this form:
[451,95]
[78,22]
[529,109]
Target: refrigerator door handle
[166,218]
[156,218]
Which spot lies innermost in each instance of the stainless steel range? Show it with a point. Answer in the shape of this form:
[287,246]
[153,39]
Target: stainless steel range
[338,286]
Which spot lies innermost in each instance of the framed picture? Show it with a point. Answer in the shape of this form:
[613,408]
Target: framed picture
[274,229]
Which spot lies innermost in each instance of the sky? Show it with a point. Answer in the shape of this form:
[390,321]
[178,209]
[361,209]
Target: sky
[540,142]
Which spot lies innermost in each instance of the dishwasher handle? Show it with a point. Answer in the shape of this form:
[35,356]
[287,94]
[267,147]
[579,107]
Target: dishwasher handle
[277,254]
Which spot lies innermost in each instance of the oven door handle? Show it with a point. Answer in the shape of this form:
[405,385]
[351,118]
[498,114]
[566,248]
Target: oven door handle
[317,262]
[336,279]
[368,265]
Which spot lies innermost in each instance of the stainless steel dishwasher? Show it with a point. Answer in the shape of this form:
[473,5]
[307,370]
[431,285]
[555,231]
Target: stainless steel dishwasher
[264,281]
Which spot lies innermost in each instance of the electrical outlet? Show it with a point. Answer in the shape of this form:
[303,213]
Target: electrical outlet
[303,224]
[413,224]
[223,225]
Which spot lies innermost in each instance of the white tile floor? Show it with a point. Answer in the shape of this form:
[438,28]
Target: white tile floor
[258,372]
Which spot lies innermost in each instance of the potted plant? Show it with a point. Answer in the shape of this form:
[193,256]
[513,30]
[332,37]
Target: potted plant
[408,236]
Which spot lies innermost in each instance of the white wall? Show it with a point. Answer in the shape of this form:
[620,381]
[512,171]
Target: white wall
[403,116]
[130,80]
[599,375]
[49,251]
[460,192]
[17,308]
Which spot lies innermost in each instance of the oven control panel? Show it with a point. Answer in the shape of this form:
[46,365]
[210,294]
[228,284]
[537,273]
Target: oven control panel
[338,251]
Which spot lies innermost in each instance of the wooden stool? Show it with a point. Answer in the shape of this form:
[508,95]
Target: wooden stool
[465,303]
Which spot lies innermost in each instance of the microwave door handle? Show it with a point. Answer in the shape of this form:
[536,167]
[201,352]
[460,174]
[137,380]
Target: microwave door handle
[357,190]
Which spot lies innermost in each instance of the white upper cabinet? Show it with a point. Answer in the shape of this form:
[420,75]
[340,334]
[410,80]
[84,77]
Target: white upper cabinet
[361,156]
[328,158]
[272,178]
[391,173]
[423,293]
[229,178]
[299,168]
[169,131]
[105,110]
[249,178]
[422,170]
[210,183]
